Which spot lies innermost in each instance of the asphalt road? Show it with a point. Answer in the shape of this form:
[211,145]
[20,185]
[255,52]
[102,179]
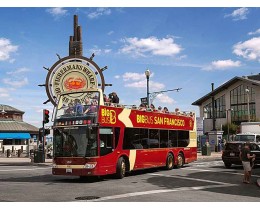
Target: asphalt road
[200,181]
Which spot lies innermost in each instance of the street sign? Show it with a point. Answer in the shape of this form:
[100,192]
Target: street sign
[144,101]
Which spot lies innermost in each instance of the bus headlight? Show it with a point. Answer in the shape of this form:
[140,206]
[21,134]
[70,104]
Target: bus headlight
[90,165]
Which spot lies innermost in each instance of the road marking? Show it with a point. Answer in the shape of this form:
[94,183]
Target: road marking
[189,178]
[127,195]
[25,169]
[217,185]
[223,172]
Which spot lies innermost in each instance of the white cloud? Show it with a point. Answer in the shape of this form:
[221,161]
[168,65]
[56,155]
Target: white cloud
[4,92]
[151,45]
[99,51]
[255,32]
[18,71]
[6,48]
[154,86]
[57,12]
[99,12]
[110,33]
[163,98]
[134,76]
[249,49]
[15,82]
[222,65]
[238,14]
[117,76]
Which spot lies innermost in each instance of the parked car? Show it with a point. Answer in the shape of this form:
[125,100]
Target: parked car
[230,154]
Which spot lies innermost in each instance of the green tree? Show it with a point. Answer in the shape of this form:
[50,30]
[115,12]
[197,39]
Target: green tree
[232,129]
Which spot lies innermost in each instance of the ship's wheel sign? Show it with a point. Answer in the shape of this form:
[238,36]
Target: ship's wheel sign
[72,73]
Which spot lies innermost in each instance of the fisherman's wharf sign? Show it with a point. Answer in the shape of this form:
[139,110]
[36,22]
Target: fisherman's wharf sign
[71,75]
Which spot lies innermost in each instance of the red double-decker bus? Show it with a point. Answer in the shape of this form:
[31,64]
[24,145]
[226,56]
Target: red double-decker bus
[93,139]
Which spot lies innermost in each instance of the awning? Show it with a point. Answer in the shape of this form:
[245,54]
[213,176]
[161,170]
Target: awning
[15,136]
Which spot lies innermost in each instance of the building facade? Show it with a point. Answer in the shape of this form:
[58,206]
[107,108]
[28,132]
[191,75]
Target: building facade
[236,101]
[14,132]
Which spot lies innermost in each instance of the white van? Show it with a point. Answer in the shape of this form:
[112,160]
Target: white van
[248,137]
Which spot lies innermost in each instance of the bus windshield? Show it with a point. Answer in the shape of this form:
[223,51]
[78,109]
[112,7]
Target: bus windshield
[78,141]
[74,105]
[245,138]
[77,108]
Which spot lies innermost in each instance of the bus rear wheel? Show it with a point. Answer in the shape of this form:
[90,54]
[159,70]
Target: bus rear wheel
[169,162]
[120,168]
[180,161]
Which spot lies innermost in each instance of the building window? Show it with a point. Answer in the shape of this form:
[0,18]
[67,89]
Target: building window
[239,104]
[220,107]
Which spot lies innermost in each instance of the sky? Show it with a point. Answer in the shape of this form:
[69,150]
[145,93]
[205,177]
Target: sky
[187,48]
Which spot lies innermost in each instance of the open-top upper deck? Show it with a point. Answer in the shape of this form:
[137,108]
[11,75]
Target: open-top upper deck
[129,117]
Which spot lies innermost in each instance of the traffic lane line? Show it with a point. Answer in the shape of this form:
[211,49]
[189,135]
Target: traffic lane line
[213,171]
[113,197]
[189,178]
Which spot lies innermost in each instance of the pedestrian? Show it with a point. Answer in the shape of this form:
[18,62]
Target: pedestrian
[246,158]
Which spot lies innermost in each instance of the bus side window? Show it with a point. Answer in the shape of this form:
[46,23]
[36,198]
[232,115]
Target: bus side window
[257,138]
[173,138]
[164,136]
[117,134]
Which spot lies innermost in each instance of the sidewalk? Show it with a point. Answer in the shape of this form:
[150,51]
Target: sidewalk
[213,156]
[23,161]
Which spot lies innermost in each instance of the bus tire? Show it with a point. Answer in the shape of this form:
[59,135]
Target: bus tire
[169,162]
[180,161]
[120,168]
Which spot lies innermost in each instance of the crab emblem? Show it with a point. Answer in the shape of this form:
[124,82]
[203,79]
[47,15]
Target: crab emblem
[74,83]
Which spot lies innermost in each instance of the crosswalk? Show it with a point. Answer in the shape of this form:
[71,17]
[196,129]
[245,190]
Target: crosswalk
[207,164]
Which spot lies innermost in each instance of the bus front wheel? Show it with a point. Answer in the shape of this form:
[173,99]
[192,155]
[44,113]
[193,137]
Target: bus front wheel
[120,168]
[169,162]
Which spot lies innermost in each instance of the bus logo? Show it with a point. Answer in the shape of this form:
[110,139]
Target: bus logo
[108,116]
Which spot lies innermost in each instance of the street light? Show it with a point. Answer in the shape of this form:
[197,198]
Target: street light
[228,122]
[147,74]
[248,110]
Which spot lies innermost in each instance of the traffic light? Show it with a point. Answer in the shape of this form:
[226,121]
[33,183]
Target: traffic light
[46,131]
[46,116]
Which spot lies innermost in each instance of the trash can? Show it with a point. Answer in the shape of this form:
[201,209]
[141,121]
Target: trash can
[19,152]
[8,153]
[38,156]
[216,148]
[206,150]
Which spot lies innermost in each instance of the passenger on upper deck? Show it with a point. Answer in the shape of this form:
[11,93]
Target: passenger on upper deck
[114,98]
[92,109]
[152,108]
[165,110]
[78,107]
[106,100]
[142,107]
[160,109]
[70,109]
